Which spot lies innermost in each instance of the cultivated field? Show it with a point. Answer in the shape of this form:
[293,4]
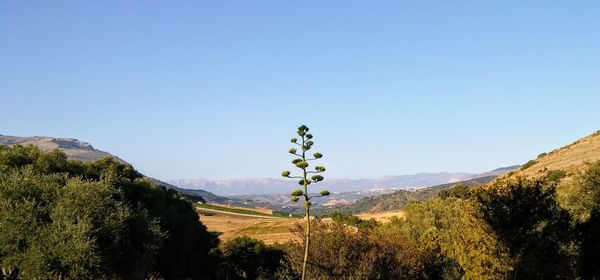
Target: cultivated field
[270,229]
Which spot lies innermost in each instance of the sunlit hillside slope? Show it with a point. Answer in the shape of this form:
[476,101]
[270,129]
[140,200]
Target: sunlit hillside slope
[571,159]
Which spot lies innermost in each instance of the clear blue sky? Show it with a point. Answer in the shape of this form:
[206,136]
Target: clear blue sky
[215,89]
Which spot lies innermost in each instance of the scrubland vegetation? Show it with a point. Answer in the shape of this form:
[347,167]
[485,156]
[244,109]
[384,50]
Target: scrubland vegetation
[512,229]
[65,219]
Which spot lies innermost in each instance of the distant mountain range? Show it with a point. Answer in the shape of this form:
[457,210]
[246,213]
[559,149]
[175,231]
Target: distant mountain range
[263,186]
[571,159]
[396,200]
[263,192]
[365,200]
[348,195]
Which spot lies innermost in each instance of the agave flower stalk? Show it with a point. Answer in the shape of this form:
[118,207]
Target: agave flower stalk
[301,161]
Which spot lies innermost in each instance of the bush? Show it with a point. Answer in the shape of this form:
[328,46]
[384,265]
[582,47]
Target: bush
[342,252]
[588,185]
[248,258]
[71,219]
[554,176]
[527,218]
[456,243]
[458,191]
[353,221]
[528,164]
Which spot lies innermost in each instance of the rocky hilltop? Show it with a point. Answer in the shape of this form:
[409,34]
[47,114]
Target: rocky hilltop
[73,148]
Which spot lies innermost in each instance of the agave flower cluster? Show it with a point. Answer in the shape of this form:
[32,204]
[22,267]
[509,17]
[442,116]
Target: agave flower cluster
[301,161]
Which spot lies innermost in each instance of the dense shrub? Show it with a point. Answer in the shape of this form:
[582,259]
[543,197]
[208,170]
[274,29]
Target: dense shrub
[69,219]
[527,218]
[528,164]
[588,227]
[542,155]
[458,191]
[248,258]
[353,221]
[554,176]
[455,241]
[343,252]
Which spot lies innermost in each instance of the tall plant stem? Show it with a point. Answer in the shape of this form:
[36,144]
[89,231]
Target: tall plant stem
[306,214]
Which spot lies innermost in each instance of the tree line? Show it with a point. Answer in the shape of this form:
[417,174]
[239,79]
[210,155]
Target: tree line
[66,219]
[513,229]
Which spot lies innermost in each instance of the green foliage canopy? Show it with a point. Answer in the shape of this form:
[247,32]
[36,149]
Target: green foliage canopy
[69,219]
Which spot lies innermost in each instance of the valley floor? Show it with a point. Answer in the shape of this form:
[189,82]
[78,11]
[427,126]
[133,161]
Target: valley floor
[230,225]
[269,229]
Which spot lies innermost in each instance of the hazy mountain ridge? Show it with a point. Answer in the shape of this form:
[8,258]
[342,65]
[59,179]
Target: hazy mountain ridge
[372,200]
[282,202]
[396,200]
[572,159]
[260,186]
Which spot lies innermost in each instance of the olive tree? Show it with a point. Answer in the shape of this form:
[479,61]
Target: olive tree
[301,161]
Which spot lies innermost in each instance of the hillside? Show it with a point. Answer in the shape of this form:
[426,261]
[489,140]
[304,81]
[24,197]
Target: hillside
[78,150]
[73,148]
[571,159]
[396,200]
[358,201]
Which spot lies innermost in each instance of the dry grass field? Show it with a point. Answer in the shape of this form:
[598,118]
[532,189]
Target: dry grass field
[260,210]
[571,158]
[269,230]
[382,217]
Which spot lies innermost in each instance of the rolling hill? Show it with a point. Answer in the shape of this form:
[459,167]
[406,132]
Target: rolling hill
[570,159]
[78,150]
[73,148]
[397,200]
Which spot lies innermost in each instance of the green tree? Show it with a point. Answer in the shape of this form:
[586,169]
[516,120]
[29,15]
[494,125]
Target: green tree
[68,228]
[554,176]
[585,200]
[353,221]
[247,258]
[589,257]
[527,218]
[455,242]
[344,252]
[458,191]
[80,220]
[301,161]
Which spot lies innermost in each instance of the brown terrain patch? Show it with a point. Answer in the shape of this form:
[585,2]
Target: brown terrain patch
[268,230]
[382,217]
[571,158]
[259,210]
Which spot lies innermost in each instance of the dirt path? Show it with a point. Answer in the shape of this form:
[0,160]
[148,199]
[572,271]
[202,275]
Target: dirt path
[238,214]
